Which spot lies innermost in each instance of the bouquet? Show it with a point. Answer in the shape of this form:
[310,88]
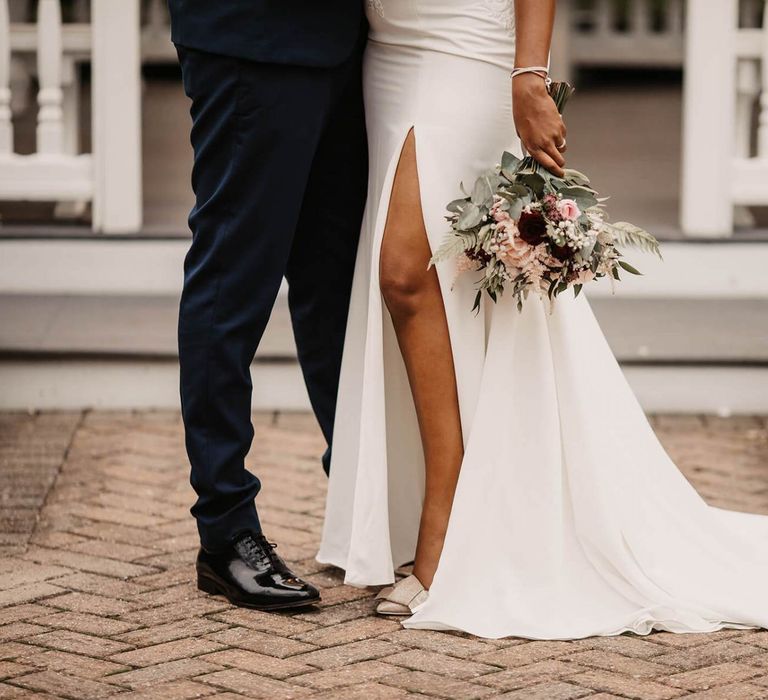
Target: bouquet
[527,230]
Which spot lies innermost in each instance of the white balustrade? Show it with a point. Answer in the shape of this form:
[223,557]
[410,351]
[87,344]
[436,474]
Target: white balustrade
[618,34]
[762,122]
[110,177]
[726,54]
[722,172]
[6,128]
[50,121]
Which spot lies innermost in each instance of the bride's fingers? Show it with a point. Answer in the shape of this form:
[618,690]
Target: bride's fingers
[552,150]
[544,159]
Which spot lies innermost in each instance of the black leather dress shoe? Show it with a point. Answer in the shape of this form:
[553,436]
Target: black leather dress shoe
[250,574]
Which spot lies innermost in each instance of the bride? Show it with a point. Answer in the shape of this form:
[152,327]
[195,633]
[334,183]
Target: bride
[503,452]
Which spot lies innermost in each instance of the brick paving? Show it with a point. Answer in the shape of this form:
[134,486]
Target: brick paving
[97,597]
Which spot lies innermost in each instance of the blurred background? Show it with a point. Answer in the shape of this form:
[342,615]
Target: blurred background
[670,120]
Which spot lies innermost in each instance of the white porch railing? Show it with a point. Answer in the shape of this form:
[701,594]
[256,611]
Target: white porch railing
[725,134]
[725,145]
[618,33]
[110,176]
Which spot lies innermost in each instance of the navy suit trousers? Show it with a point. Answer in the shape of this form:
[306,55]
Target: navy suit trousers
[280,183]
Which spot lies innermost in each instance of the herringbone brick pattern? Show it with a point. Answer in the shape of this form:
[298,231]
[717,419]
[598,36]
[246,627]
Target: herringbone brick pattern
[97,597]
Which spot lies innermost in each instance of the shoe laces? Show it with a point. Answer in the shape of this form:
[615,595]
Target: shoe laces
[257,548]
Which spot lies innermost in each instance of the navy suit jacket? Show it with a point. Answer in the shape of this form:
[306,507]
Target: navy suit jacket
[294,32]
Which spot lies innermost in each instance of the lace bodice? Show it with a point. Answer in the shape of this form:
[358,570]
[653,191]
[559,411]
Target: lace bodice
[376,6]
[503,11]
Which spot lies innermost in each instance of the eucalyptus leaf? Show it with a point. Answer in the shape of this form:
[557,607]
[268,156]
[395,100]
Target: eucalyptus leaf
[517,190]
[575,176]
[509,164]
[470,217]
[577,290]
[583,196]
[534,181]
[457,205]
[629,268]
[516,208]
[482,191]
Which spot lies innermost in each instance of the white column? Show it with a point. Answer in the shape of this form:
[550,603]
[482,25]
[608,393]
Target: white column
[708,118]
[762,122]
[116,85]
[50,119]
[157,19]
[561,61]
[674,17]
[6,128]
[604,16]
[71,88]
[640,18]
[70,106]
[80,11]
[747,90]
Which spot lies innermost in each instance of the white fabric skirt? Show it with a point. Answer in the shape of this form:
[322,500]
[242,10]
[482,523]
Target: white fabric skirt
[569,518]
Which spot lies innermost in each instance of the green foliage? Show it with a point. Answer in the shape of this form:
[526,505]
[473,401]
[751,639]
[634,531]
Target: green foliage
[509,165]
[553,261]
[583,196]
[457,205]
[629,235]
[470,217]
[453,245]
[575,177]
[629,268]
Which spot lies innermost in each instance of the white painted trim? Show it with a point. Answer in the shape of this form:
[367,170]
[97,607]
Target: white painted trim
[91,266]
[117,110]
[147,267]
[692,270]
[76,38]
[80,384]
[749,178]
[45,177]
[722,391]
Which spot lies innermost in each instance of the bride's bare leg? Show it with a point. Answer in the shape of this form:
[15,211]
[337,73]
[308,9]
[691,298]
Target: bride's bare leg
[412,295]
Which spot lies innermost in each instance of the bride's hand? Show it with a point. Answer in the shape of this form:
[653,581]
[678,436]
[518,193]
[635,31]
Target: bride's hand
[539,124]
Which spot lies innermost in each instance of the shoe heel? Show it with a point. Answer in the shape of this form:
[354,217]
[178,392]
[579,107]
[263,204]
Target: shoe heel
[207,586]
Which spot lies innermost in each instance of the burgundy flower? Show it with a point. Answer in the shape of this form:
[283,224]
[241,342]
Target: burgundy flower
[532,227]
[562,252]
[479,256]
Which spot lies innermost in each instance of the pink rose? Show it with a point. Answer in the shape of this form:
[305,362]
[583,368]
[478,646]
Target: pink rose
[568,209]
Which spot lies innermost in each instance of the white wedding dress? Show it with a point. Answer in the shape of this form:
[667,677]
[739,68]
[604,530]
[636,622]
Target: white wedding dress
[569,518]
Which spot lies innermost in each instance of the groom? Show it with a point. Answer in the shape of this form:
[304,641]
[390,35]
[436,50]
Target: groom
[280,182]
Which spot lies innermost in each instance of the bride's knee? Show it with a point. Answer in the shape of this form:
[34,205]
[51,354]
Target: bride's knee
[403,289]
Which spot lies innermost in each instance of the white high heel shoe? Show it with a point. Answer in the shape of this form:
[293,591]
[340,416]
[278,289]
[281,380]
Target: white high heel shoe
[402,598]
